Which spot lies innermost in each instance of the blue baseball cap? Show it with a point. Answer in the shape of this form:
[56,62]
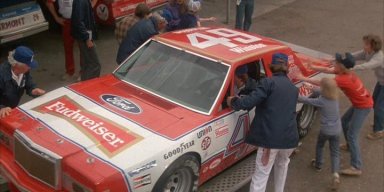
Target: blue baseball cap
[25,55]
[348,61]
[241,70]
[279,58]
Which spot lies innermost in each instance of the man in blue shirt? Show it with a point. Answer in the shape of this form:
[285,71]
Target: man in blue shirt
[138,34]
[15,79]
[274,128]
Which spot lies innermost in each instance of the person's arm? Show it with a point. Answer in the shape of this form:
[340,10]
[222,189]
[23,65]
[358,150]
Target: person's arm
[309,80]
[77,20]
[376,61]
[30,87]
[360,55]
[317,102]
[93,3]
[251,100]
[322,69]
[51,7]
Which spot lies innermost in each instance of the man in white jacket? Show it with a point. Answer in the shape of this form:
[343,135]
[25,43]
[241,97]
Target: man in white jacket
[373,58]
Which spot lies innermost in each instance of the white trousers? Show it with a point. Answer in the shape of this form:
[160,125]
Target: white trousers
[279,158]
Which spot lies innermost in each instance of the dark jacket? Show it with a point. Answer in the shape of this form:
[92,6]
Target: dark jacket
[136,36]
[83,21]
[187,20]
[274,125]
[10,92]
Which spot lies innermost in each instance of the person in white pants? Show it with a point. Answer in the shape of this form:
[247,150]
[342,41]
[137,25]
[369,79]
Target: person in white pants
[279,158]
[274,128]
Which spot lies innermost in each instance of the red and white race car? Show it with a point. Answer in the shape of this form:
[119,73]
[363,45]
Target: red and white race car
[109,11]
[158,123]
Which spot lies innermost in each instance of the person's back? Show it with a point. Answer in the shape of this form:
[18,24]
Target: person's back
[137,35]
[354,89]
[276,130]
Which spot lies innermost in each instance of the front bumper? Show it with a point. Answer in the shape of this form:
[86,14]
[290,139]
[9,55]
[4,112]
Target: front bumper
[18,177]
[25,32]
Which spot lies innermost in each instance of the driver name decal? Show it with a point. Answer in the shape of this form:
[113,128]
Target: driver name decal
[110,137]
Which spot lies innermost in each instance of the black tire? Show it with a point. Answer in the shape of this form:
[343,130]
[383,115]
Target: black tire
[181,176]
[305,119]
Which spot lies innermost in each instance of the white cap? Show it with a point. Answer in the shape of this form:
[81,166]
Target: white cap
[194,5]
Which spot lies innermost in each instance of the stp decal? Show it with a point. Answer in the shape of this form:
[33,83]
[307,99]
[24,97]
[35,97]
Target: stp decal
[110,137]
[206,143]
[121,103]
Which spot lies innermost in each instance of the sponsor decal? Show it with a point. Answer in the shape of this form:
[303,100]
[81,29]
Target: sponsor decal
[204,132]
[143,168]
[142,181]
[102,12]
[215,163]
[206,143]
[306,89]
[221,131]
[205,169]
[121,103]
[110,137]
[180,149]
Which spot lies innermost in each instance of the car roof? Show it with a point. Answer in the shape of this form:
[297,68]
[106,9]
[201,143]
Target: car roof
[223,44]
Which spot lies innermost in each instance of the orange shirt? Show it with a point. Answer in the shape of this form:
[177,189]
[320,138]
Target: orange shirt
[354,89]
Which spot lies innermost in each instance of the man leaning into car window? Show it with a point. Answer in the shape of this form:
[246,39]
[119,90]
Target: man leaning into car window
[15,79]
[273,129]
[244,84]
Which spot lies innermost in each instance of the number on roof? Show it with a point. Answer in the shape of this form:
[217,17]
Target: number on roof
[203,41]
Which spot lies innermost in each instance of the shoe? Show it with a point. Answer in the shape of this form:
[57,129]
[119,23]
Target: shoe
[344,147]
[66,77]
[351,171]
[335,182]
[375,135]
[313,164]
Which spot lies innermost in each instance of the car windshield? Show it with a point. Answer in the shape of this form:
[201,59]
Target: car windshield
[176,75]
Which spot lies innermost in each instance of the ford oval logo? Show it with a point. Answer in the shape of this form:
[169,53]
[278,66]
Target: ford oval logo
[121,103]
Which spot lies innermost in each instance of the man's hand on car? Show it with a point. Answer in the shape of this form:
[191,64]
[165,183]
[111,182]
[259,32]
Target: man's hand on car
[5,112]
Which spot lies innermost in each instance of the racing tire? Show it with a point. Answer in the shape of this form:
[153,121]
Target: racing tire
[181,176]
[305,119]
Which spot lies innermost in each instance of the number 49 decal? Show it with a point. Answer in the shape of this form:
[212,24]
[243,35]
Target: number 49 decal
[226,38]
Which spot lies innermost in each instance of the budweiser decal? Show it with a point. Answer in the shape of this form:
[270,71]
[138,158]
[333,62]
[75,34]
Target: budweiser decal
[110,137]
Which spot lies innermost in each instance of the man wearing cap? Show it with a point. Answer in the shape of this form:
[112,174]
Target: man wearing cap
[362,103]
[15,79]
[273,129]
[244,84]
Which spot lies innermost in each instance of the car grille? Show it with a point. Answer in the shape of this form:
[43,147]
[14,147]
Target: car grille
[37,164]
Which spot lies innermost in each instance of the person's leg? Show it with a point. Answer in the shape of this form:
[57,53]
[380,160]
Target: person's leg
[82,48]
[378,121]
[334,142]
[248,14]
[261,175]
[281,168]
[346,122]
[68,42]
[240,9]
[321,139]
[91,66]
[357,120]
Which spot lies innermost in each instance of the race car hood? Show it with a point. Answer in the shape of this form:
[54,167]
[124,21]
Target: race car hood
[109,116]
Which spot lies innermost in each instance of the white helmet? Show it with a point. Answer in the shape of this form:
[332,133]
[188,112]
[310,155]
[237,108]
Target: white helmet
[194,6]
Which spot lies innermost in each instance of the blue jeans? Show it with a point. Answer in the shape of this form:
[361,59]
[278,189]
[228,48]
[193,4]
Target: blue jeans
[244,13]
[352,122]
[333,147]
[378,108]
